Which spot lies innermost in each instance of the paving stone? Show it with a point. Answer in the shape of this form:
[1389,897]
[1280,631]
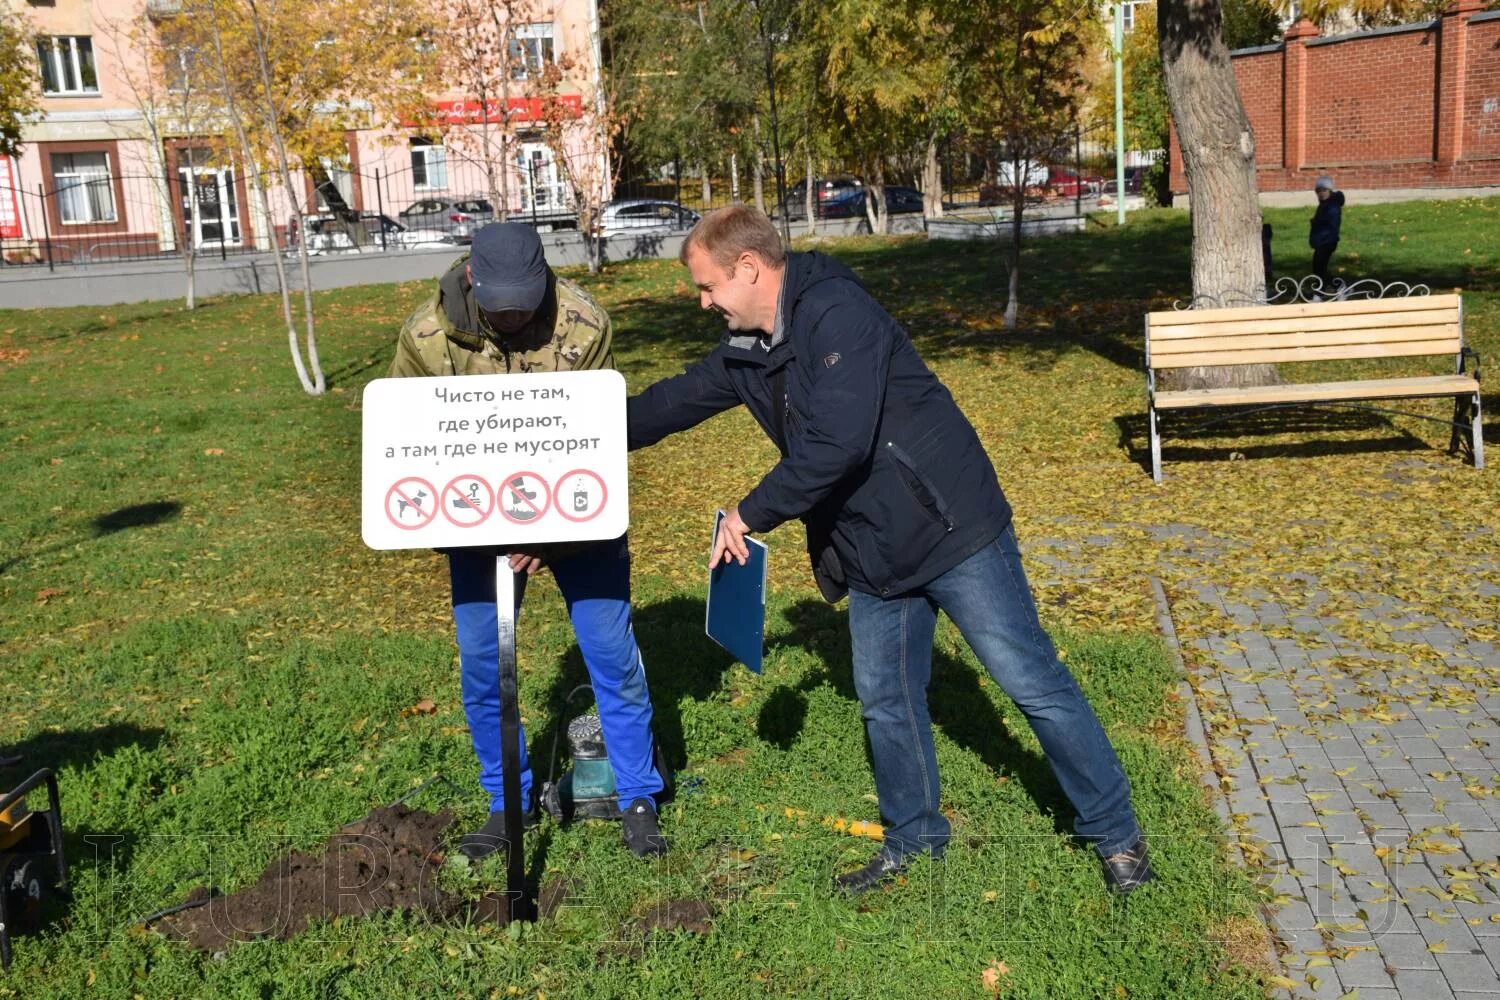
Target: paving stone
[1481,843]
[1423,985]
[1491,947]
[1407,951]
[1288,794]
[1419,748]
[1389,917]
[1469,760]
[1456,936]
[1469,816]
[1294,916]
[1328,988]
[1472,973]
[1452,737]
[1364,970]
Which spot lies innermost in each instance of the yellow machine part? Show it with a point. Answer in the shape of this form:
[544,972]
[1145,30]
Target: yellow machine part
[15,825]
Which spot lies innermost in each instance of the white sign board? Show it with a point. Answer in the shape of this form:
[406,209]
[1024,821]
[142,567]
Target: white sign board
[494,460]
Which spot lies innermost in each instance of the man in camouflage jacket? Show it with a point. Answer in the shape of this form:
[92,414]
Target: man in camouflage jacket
[501,310]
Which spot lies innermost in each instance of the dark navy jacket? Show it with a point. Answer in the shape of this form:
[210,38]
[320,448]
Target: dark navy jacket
[878,461]
[1324,228]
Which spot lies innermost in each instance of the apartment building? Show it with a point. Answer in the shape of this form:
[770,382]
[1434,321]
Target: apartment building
[92,184]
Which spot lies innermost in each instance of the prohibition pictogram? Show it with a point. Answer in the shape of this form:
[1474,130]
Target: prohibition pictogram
[524,497]
[409,504]
[467,501]
[580,495]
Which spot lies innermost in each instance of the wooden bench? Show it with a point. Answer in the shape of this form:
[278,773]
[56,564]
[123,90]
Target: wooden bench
[1315,331]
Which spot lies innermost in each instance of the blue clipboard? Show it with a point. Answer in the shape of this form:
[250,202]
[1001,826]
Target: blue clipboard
[736,613]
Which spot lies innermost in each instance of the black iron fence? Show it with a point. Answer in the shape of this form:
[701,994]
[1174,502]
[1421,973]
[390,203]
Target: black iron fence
[434,198]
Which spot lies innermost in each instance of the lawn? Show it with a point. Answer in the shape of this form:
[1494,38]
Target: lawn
[195,636]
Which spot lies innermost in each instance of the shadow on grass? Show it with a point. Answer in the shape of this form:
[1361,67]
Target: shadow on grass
[139,515]
[135,516]
[353,369]
[1185,436]
[956,702]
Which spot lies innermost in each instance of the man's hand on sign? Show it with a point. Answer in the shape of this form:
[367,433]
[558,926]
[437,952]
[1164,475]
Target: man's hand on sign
[524,562]
[730,542]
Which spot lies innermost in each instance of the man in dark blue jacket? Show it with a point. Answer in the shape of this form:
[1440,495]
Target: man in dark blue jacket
[903,513]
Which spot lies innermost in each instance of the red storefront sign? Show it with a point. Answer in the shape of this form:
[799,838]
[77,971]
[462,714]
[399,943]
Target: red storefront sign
[526,109]
[10,208]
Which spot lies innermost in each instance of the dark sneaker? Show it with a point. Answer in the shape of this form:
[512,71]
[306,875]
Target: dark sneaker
[491,837]
[1129,870]
[886,866]
[641,830]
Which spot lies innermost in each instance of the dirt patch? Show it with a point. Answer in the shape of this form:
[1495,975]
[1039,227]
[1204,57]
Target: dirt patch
[387,861]
[691,915]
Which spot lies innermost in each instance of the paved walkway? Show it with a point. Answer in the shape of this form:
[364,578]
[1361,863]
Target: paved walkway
[1369,787]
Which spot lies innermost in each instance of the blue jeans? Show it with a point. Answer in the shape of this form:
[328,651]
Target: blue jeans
[987,597]
[595,585]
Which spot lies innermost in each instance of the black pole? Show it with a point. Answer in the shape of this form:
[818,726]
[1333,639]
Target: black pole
[786,229]
[46,224]
[531,183]
[677,178]
[510,740]
[380,208]
[1077,170]
[223,229]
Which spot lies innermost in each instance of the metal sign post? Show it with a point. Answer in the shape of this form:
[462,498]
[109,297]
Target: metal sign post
[510,742]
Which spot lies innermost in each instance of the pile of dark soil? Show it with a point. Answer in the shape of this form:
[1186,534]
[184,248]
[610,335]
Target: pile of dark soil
[387,861]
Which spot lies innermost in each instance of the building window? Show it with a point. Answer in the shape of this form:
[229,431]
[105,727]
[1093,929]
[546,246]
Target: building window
[530,50]
[85,193]
[429,165]
[67,63]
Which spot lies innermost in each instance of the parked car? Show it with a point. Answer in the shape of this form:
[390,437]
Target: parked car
[459,216]
[644,215]
[329,234]
[999,190]
[827,189]
[898,200]
[1065,182]
[1135,179]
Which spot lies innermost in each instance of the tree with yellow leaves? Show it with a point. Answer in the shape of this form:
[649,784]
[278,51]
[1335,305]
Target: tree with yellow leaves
[292,77]
[18,89]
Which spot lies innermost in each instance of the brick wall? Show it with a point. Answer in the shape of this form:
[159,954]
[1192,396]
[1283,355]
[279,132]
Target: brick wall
[1415,106]
[1482,90]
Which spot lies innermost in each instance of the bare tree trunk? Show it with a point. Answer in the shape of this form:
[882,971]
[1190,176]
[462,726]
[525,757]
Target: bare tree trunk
[253,166]
[1013,252]
[875,206]
[285,169]
[812,198]
[179,227]
[191,294]
[932,181]
[708,187]
[1218,155]
[734,175]
[758,169]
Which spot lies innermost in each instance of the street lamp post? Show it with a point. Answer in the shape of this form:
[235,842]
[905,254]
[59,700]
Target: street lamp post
[1119,113]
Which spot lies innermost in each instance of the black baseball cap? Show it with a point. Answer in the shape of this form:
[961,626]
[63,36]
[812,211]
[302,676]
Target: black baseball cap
[507,269]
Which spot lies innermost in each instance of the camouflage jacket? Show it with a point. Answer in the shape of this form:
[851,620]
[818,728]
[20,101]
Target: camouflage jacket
[445,336]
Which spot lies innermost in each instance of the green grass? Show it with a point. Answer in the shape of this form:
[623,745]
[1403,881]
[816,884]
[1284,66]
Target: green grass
[194,635]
